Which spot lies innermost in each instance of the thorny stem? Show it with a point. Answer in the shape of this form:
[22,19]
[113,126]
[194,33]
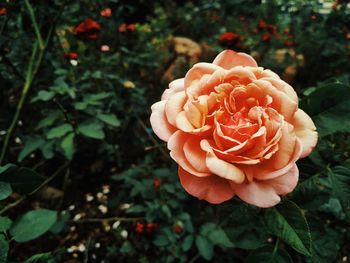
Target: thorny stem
[49,179]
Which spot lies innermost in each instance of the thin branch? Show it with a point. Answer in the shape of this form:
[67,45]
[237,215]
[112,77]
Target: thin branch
[49,179]
[160,148]
[108,219]
[35,24]
[25,90]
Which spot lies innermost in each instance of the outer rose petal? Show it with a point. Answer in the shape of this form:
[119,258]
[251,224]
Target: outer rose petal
[176,146]
[306,131]
[198,70]
[159,123]
[174,87]
[228,59]
[174,105]
[213,189]
[266,193]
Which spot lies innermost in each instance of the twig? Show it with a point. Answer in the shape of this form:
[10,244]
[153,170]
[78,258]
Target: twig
[108,219]
[160,148]
[49,179]
[194,259]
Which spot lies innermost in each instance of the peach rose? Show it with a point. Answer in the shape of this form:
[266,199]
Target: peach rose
[234,129]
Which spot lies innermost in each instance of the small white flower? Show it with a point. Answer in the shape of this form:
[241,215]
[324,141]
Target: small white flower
[124,234]
[125,206]
[74,62]
[18,140]
[89,197]
[77,217]
[71,207]
[97,245]
[81,248]
[103,209]
[116,224]
[3,132]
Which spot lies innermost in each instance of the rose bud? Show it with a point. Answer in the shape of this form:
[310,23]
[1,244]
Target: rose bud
[234,129]
[156,183]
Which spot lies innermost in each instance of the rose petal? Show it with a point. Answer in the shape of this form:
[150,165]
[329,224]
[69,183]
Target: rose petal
[176,146]
[306,131]
[198,70]
[159,123]
[229,59]
[174,87]
[266,193]
[213,189]
[195,155]
[174,105]
[224,169]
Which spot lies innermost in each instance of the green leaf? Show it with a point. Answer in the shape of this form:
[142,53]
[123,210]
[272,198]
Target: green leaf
[205,247]
[23,180]
[33,224]
[110,119]
[5,223]
[266,254]
[161,241]
[219,237]
[324,105]
[287,222]
[67,145]
[325,97]
[340,180]
[216,235]
[7,168]
[187,243]
[59,131]
[5,190]
[61,222]
[30,146]
[330,121]
[50,118]
[92,130]
[4,249]
[42,257]
[44,95]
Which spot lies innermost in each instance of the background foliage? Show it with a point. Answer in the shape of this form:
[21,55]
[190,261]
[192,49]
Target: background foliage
[82,177]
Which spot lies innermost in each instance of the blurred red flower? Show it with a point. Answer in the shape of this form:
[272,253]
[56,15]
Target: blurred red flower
[3,11]
[71,55]
[151,227]
[88,29]
[156,183]
[124,27]
[229,39]
[266,37]
[106,12]
[178,228]
[139,227]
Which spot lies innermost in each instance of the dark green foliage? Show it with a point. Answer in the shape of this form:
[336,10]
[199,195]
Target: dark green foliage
[91,183]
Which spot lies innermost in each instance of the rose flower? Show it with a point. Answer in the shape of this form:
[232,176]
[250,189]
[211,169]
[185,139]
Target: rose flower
[88,29]
[234,129]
